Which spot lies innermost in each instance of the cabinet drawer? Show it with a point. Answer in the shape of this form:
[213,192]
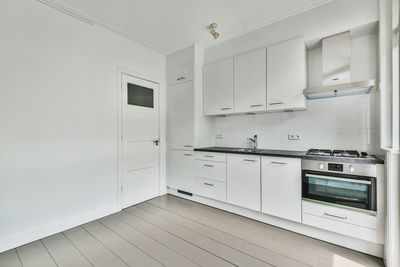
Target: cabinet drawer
[181,74]
[348,229]
[211,170]
[211,156]
[340,215]
[211,189]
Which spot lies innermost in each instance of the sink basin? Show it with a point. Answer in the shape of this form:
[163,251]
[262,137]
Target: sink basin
[249,150]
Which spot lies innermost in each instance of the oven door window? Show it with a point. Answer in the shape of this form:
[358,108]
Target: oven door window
[349,192]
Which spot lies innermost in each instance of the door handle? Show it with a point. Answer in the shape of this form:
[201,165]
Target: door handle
[187,154]
[250,160]
[335,216]
[207,165]
[208,156]
[225,108]
[156,142]
[276,103]
[187,146]
[208,184]
[279,163]
[258,105]
[180,78]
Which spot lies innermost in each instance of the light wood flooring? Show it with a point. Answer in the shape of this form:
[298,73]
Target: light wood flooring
[170,231]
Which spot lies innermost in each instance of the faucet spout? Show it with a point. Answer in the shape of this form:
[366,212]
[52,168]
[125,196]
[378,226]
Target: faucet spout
[255,141]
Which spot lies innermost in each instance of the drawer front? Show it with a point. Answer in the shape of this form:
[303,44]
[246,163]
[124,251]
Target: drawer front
[181,74]
[356,231]
[211,156]
[211,170]
[211,189]
[340,215]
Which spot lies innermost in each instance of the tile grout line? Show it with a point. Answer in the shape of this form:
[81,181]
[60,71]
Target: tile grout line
[206,225]
[78,249]
[131,243]
[157,241]
[182,238]
[41,241]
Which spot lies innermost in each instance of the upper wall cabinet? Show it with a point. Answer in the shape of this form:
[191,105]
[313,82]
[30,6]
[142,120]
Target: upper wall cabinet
[180,74]
[250,82]
[218,87]
[286,75]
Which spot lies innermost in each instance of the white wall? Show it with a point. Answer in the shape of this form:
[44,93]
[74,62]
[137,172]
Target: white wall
[58,117]
[341,123]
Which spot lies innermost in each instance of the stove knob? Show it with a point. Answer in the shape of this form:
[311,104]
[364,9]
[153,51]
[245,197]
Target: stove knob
[351,169]
[321,166]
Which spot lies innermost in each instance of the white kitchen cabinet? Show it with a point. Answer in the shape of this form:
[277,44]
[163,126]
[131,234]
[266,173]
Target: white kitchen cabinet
[182,170]
[250,82]
[244,181]
[181,115]
[181,74]
[286,75]
[211,189]
[281,187]
[218,87]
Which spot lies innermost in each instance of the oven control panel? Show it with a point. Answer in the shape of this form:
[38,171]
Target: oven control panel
[339,167]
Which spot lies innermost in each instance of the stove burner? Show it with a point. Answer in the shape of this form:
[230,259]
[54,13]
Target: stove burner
[336,153]
[346,153]
[319,152]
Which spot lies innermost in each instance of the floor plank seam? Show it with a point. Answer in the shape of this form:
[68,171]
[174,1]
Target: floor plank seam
[88,260]
[186,240]
[158,241]
[19,257]
[206,225]
[55,262]
[83,227]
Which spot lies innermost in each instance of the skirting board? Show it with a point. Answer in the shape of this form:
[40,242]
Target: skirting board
[330,237]
[56,227]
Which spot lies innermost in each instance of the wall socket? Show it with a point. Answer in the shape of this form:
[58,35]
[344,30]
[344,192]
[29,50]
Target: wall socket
[219,136]
[294,137]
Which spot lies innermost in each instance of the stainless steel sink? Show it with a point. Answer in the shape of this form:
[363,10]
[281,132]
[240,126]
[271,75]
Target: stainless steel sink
[249,150]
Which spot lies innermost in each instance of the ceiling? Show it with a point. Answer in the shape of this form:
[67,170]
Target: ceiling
[169,25]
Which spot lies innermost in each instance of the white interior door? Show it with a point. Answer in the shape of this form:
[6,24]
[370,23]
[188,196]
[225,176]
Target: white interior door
[140,148]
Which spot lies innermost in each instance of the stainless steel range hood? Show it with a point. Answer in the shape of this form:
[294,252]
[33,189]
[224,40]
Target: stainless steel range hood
[336,71]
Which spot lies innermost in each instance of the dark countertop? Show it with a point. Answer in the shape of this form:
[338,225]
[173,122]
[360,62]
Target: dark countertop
[372,159]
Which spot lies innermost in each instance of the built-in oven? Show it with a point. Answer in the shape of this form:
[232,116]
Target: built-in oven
[350,186]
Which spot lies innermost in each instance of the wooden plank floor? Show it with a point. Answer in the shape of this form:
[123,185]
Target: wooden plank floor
[170,231]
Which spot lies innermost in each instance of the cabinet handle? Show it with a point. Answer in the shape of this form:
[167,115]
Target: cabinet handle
[276,103]
[207,165]
[251,160]
[258,105]
[335,216]
[225,108]
[208,184]
[208,156]
[180,78]
[187,146]
[187,154]
[279,163]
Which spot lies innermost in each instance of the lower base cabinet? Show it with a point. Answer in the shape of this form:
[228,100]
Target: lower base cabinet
[182,170]
[243,181]
[210,188]
[281,187]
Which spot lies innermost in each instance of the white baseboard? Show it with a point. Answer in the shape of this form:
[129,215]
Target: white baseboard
[55,227]
[331,237]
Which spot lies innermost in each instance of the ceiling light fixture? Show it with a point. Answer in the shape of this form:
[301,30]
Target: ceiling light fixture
[212,28]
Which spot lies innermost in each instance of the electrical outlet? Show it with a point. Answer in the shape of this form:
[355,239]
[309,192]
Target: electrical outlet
[294,137]
[219,136]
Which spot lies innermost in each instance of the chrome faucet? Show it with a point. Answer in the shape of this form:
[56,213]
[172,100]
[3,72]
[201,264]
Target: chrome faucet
[254,140]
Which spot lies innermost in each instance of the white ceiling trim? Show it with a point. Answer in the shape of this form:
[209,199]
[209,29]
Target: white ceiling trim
[269,21]
[66,9]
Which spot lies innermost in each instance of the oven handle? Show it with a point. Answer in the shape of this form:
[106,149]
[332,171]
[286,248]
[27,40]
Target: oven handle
[339,179]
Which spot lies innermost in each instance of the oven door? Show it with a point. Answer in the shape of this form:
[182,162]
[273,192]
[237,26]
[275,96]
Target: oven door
[347,191]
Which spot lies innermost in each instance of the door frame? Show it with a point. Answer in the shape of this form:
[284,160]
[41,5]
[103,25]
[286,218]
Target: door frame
[124,71]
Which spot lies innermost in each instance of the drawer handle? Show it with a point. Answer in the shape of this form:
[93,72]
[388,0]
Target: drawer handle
[279,163]
[207,165]
[251,160]
[187,154]
[258,105]
[208,184]
[208,156]
[187,146]
[276,103]
[181,78]
[225,108]
[335,216]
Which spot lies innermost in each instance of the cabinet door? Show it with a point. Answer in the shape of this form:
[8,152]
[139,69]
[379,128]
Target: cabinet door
[250,86]
[243,181]
[286,75]
[281,187]
[181,74]
[218,87]
[182,170]
[181,116]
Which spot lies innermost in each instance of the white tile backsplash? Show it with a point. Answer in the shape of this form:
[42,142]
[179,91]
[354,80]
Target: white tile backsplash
[337,123]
